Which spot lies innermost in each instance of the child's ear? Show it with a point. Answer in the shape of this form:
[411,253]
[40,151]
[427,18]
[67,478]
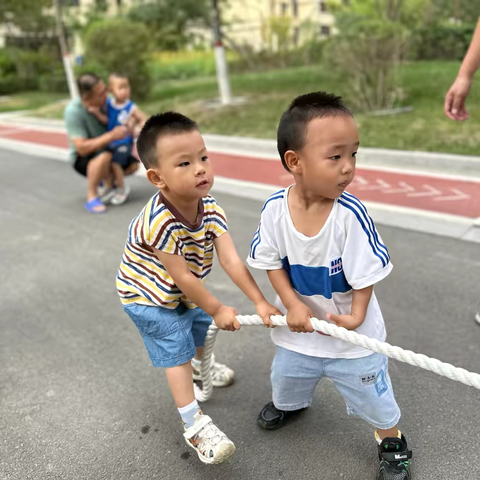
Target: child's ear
[292,161]
[155,178]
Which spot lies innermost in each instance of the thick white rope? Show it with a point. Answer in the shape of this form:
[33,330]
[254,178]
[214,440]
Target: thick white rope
[407,356]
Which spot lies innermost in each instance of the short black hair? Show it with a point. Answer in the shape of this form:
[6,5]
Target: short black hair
[86,83]
[167,123]
[305,108]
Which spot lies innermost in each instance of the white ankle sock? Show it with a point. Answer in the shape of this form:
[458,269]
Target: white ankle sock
[188,414]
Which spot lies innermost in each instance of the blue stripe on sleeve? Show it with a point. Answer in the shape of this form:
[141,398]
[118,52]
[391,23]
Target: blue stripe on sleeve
[255,238]
[365,229]
[354,200]
[273,197]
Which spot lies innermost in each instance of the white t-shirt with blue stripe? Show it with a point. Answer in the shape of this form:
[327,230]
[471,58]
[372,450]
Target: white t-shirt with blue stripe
[347,253]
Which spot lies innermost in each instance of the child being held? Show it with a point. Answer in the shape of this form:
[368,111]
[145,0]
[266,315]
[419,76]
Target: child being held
[120,110]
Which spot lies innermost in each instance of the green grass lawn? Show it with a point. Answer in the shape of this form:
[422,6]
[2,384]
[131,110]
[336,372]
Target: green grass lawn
[29,101]
[268,94]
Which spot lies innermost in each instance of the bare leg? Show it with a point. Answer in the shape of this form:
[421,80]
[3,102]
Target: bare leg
[97,169]
[390,433]
[118,174]
[132,168]
[199,353]
[181,385]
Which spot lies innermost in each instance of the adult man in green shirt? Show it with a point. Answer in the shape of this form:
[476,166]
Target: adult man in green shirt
[89,139]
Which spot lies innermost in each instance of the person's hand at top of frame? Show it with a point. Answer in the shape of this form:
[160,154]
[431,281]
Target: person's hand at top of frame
[455,99]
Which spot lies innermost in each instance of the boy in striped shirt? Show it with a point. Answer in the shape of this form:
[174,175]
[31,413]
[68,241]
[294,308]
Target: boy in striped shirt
[323,256]
[167,257]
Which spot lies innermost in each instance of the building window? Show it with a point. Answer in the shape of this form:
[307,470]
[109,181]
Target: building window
[322,6]
[119,3]
[284,8]
[295,8]
[325,30]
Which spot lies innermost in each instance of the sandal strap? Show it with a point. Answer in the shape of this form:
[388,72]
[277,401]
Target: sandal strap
[397,456]
[194,429]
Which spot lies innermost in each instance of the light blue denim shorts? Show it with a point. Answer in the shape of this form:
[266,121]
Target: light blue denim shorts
[170,336]
[364,384]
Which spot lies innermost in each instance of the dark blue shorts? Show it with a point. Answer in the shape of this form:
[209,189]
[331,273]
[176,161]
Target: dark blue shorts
[122,154]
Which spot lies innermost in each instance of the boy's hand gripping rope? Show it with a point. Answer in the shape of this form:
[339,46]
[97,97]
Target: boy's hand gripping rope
[419,360]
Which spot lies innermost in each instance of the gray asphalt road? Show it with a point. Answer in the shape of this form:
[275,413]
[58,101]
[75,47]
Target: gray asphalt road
[79,399]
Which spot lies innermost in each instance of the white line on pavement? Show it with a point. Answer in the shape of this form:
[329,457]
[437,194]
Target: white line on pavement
[391,215]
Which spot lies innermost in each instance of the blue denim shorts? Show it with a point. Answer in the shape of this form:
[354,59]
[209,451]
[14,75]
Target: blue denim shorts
[170,335]
[364,384]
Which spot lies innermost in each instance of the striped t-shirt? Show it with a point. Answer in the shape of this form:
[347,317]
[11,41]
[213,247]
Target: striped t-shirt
[141,277]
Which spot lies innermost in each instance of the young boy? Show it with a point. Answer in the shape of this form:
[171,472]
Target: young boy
[323,255]
[168,255]
[120,111]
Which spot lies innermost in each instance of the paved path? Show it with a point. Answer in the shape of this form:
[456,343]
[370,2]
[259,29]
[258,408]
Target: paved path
[80,401]
[432,193]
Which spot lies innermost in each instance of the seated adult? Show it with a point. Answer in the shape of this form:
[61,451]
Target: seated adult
[89,141]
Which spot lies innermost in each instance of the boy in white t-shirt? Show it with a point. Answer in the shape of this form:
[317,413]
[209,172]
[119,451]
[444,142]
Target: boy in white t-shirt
[323,255]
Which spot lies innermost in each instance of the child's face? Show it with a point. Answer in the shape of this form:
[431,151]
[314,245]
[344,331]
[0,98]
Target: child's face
[326,164]
[120,89]
[183,167]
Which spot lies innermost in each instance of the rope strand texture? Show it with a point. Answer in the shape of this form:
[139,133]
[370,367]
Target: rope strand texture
[406,356]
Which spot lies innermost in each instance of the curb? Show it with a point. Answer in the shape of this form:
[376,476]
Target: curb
[445,164]
[380,158]
[453,226]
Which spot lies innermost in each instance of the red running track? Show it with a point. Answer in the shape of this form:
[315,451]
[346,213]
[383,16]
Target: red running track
[420,191]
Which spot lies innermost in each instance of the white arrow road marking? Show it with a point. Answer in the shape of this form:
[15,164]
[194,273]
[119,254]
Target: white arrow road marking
[381,185]
[405,188]
[432,192]
[459,195]
[361,181]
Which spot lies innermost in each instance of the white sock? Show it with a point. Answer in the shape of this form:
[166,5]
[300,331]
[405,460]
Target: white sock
[188,414]
[196,362]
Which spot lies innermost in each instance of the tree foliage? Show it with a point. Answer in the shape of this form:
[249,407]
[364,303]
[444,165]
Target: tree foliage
[120,45]
[25,15]
[167,20]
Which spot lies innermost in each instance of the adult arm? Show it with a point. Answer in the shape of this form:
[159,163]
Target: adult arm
[87,146]
[455,99]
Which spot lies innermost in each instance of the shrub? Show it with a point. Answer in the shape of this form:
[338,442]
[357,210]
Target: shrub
[367,56]
[122,46]
[55,82]
[7,65]
[445,42]
[12,83]
[23,70]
